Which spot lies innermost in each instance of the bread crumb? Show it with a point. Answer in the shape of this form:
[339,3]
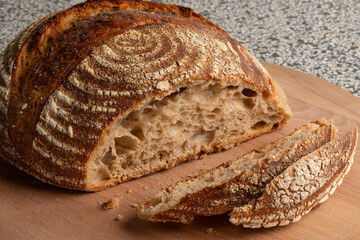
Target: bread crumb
[129,191]
[145,187]
[119,217]
[134,205]
[112,203]
[209,230]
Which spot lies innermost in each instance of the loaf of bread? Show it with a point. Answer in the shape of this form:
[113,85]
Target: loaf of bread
[111,90]
[270,186]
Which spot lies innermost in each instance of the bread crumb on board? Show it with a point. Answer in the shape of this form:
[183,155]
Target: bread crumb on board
[209,230]
[134,205]
[119,217]
[111,203]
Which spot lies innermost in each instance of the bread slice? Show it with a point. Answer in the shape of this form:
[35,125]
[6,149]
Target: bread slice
[110,90]
[237,182]
[304,185]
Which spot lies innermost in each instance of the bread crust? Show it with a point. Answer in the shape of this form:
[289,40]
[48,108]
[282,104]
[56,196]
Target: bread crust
[31,85]
[244,187]
[304,185]
[38,65]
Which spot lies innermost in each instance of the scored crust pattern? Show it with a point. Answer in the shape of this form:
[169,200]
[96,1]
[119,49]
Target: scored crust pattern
[76,113]
[56,122]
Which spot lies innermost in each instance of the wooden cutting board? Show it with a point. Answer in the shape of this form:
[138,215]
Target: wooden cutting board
[30,209]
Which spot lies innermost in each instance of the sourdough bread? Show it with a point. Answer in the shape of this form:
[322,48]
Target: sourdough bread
[238,182]
[111,90]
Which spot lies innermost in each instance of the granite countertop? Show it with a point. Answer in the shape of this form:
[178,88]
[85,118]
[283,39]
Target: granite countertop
[316,37]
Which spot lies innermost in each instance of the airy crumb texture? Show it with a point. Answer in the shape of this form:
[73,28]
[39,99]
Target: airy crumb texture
[111,203]
[184,125]
[238,182]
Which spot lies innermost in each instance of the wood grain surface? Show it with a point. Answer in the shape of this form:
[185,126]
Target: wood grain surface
[31,209]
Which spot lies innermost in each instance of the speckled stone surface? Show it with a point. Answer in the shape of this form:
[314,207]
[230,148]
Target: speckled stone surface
[317,37]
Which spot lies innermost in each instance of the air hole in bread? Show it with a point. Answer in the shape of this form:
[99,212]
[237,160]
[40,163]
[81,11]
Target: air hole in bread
[138,132]
[108,158]
[147,110]
[163,154]
[247,92]
[160,104]
[125,144]
[259,125]
[216,110]
[237,95]
[178,124]
[211,116]
[132,117]
[158,200]
[124,165]
[180,90]
[103,174]
[203,137]
[248,103]
[209,178]
[275,126]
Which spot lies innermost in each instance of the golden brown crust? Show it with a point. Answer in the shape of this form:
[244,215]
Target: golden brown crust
[56,55]
[301,187]
[244,187]
[42,58]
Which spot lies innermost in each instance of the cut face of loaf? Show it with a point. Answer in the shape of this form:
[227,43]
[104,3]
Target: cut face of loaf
[304,185]
[237,182]
[112,90]
[194,120]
